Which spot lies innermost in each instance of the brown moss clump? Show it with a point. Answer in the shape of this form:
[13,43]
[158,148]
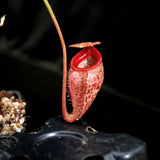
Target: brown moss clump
[12,113]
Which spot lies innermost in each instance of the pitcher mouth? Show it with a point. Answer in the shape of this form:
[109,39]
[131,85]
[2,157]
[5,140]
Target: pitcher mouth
[87,59]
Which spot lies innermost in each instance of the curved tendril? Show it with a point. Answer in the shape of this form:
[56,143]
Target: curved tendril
[68,117]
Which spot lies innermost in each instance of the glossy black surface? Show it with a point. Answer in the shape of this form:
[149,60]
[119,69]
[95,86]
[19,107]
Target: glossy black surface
[58,140]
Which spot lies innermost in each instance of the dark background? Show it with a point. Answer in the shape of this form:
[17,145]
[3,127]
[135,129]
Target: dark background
[31,61]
